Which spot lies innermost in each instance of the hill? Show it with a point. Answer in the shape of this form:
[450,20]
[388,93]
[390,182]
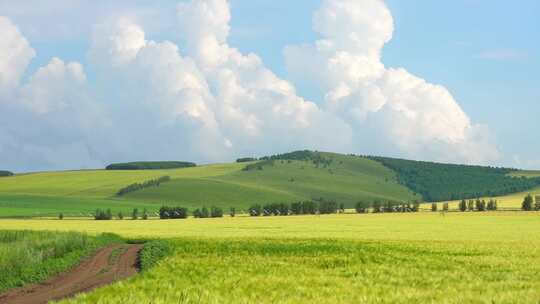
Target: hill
[345,179]
[284,178]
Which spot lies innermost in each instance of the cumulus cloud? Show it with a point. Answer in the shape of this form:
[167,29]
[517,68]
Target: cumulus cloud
[15,55]
[410,116]
[208,101]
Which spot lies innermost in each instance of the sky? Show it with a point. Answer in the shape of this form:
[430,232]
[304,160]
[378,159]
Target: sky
[86,83]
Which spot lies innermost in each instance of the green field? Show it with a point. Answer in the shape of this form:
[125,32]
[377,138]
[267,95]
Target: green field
[76,193]
[422,257]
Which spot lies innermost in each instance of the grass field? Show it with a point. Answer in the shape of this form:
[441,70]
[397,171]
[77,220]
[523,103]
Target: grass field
[347,180]
[376,258]
[32,256]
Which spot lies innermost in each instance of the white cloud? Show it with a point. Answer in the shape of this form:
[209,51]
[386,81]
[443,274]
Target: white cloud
[207,101]
[15,55]
[409,115]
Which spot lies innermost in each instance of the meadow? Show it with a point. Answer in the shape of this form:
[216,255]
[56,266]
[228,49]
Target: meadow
[425,257]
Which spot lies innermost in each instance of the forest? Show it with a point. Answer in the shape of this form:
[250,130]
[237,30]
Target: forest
[5,173]
[440,182]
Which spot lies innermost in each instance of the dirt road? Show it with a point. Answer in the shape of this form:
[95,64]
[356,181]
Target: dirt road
[108,265]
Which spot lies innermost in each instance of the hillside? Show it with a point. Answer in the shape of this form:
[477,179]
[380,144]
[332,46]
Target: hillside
[285,178]
[439,182]
[345,179]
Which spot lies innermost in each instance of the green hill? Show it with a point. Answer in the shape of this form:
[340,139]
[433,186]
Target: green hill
[345,179]
[284,178]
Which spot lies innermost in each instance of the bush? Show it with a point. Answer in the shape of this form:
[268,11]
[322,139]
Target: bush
[434,207]
[120,215]
[445,207]
[537,203]
[103,215]
[470,205]
[61,216]
[173,213]
[527,204]
[139,186]
[377,206]
[150,165]
[480,205]
[232,212]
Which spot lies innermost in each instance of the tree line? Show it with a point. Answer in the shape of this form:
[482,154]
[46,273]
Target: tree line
[5,173]
[299,208]
[378,206]
[441,182]
[530,204]
[150,165]
[139,186]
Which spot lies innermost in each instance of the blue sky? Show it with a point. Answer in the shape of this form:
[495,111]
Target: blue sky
[486,53]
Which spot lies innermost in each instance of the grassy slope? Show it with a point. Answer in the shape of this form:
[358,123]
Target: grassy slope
[347,180]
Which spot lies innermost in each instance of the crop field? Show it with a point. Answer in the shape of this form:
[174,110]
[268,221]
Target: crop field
[422,257]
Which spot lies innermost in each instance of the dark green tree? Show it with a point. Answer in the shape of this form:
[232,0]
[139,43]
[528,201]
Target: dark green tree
[232,212]
[527,204]
[537,203]
[434,207]
[463,205]
[135,214]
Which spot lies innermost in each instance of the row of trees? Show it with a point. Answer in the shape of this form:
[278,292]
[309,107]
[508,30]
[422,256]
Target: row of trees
[147,184]
[204,212]
[478,205]
[105,215]
[298,208]
[378,206]
[530,204]
[151,165]
[5,173]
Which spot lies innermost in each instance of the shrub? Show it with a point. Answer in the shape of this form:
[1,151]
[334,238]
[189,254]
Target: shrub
[172,212]
[537,203]
[527,204]
[377,206]
[492,205]
[61,216]
[434,207]
[445,207]
[102,215]
[120,215]
[415,207]
[232,212]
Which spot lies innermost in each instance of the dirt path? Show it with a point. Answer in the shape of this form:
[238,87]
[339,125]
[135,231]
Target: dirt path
[108,265]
